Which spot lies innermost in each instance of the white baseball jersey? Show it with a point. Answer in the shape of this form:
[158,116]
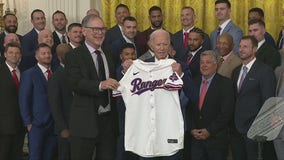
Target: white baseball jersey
[153,118]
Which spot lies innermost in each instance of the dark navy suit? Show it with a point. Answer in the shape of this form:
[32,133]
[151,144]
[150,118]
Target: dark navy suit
[29,44]
[35,110]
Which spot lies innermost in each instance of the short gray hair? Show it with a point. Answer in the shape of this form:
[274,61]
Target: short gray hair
[210,53]
[88,18]
[158,31]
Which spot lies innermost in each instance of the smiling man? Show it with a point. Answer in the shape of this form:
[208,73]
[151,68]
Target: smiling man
[90,73]
[29,40]
[59,23]
[226,25]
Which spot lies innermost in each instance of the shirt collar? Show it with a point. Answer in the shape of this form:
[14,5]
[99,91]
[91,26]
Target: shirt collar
[156,60]
[249,65]
[223,25]
[226,56]
[91,49]
[11,68]
[42,68]
[260,43]
[183,31]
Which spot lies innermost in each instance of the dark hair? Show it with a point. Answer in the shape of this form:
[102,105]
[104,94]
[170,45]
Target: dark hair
[223,1]
[129,18]
[257,10]
[199,31]
[42,45]
[252,39]
[9,14]
[126,45]
[121,5]
[36,10]
[73,25]
[58,11]
[257,21]
[12,44]
[155,8]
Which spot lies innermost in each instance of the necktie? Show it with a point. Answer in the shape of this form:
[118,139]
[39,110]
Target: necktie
[245,71]
[185,40]
[101,67]
[188,59]
[63,39]
[102,76]
[48,74]
[202,94]
[221,60]
[218,33]
[15,78]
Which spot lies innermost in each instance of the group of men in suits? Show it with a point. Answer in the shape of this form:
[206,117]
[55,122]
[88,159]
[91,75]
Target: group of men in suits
[87,75]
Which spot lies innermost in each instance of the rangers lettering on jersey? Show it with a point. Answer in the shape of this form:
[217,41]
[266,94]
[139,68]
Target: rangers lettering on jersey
[153,118]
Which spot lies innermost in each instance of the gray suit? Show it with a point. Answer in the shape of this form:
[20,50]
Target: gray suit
[146,55]
[233,30]
[279,141]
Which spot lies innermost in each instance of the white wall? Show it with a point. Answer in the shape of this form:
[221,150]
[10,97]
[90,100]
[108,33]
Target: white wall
[75,10]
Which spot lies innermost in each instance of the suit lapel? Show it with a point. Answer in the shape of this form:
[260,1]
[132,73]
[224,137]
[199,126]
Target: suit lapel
[88,60]
[248,76]
[211,90]
[40,76]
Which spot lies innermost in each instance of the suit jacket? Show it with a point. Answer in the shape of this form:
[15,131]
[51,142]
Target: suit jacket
[146,56]
[29,44]
[33,99]
[60,99]
[217,109]
[56,39]
[116,48]
[258,85]
[268,55]
[10,118]
[194,65]
[111,35]
[233,30]
[270,40]
[143,38]
[2,37]
[226,68]
[177,40]
[84,82]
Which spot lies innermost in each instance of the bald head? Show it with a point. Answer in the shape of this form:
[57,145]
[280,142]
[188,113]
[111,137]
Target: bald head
[45,36]
[61,50]
[93,11]
[225,44]
[11,37]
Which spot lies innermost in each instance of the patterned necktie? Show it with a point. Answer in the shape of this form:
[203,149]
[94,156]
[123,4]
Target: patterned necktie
[202,94]
[102,76]
[185,40]
[245,71]
[63,39]
[15,78]
[48,74]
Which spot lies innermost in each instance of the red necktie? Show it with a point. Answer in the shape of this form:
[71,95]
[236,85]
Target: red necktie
[202,94]
[185,40]
[188,59]
[48,74]
[15,78]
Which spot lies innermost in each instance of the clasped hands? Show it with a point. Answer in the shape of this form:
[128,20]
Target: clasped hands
[200,134]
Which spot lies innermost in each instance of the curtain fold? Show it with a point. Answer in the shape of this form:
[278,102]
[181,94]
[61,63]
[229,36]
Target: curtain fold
[204,10]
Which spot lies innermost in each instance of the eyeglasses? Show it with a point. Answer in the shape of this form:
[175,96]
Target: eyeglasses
[97,29]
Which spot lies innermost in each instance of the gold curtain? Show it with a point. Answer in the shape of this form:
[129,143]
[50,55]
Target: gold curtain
[204,10]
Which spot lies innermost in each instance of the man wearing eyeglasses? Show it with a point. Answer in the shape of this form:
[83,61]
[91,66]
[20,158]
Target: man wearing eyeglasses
[90,73]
